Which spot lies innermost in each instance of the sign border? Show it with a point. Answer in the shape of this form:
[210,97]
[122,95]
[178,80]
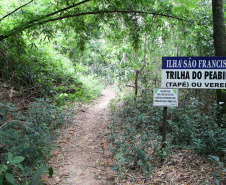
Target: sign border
[194,72]
[167,105]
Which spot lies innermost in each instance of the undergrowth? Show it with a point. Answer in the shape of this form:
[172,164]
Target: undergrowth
[37,70]
[136,133]
[29,137]
[36,84]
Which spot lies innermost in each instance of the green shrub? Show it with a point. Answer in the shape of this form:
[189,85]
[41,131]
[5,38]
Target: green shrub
[131,137]
[30,135]
[200,131]
[91,88]
[136,132]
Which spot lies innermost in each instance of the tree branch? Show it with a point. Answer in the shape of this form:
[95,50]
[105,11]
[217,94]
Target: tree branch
[39,22]
[145,42]
[58,11]
[15,10]
[67,8]
[114,11]
[33,22]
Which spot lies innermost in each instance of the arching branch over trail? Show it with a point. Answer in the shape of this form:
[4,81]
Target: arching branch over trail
[65,15]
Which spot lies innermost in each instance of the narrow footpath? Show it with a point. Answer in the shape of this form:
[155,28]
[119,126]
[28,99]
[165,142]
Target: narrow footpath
[80,160]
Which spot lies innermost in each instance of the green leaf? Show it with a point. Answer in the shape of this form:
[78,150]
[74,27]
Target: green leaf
[114,167]
[38,174]
[122,161]
[10,156]
[214,158]
[20,166]
[3,168]
[10,178]
[17,159]
[50,172]
[119,155]
[3,111]
[216,181]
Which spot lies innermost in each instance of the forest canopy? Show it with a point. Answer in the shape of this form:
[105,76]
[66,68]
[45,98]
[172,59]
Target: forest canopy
[18,16]
[54,53]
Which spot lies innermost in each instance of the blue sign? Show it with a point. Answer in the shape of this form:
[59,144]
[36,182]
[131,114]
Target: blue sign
[194,72]
[193,62]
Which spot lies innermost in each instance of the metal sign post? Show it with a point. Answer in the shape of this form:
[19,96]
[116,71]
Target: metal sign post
[164,127]
[165,98]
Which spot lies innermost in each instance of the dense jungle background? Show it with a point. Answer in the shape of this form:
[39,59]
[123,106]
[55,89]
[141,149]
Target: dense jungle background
[58,53]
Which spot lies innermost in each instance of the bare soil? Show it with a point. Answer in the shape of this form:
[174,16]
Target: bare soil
[81,160]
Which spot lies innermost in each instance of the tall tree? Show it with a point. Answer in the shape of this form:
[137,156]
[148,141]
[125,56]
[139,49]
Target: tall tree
[219,37]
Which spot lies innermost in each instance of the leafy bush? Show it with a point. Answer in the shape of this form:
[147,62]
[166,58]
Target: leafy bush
[132,137]
[91,87]
[218,168]
[43,114]
[136,132]
[41,71]
[200,131]
[29,135]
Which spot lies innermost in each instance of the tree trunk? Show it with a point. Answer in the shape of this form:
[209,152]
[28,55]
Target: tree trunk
[136,83]
[138,71]
[219,37]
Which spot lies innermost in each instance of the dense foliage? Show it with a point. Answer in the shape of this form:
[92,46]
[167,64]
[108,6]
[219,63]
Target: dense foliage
[52,52]
[28,125]
[29,135]
[136,132]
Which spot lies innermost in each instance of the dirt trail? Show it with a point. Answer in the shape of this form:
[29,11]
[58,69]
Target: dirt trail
[81,160]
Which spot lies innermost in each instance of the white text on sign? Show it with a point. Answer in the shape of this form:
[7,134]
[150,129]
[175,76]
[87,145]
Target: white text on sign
[194,72]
